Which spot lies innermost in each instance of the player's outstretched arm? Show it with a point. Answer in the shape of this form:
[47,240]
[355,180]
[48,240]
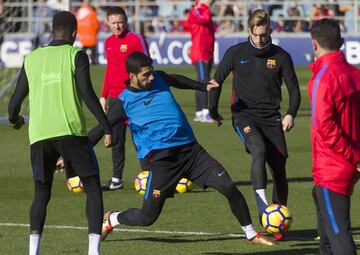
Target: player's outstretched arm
[182,82]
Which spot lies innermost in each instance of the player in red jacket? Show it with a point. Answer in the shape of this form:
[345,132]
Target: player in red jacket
[202,52]
[117,47]
[334,92]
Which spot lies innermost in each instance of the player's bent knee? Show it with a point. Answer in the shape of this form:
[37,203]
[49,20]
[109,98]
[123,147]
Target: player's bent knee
[148,220]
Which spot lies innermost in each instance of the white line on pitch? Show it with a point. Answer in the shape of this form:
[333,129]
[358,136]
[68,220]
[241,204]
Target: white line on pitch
[152,231]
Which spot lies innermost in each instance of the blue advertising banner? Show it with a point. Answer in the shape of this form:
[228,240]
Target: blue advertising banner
[174,50]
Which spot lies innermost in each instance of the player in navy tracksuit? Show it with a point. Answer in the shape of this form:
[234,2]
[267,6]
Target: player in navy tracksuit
[162,133]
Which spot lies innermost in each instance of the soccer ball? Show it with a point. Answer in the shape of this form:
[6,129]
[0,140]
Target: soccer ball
[276,219]
[74,184]
[141,181]
[184,185]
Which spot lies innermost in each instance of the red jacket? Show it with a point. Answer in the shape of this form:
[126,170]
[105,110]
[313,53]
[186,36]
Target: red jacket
[334,92]
[117,49]
[202,34]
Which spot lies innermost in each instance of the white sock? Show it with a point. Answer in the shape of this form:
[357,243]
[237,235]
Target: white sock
[114,179]
[113,219]
[34,244]
[250,232]
[94,244]
[262,195]
[205,112]
[198,114]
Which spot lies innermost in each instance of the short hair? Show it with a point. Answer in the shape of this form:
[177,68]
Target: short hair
[258,17]
[327,33]
[116,11]
[137,60]
[64,21]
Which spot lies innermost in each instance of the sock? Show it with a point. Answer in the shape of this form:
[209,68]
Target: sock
[198,114]
[34,244]
[114,219]
[250,232]
[94,244]
[114,179]
[261,201]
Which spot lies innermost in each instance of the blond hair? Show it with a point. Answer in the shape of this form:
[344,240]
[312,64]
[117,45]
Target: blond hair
[258,18]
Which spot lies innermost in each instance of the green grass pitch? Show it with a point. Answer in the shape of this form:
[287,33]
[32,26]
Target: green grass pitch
[197,222]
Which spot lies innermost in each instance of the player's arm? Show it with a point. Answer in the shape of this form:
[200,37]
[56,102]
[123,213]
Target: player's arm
[200,16]
[14,107]
[83,81]
[182,82]
[223,70]
[292,84]
[106,84]
[325,121]
[141,45]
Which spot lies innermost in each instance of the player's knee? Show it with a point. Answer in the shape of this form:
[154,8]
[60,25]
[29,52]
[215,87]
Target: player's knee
[148,220]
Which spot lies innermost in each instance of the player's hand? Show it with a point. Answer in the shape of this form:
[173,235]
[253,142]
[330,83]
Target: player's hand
[103,104]
[107,141]
[19,123]
[60,166]
[288,122]
[212,85]
[358,166]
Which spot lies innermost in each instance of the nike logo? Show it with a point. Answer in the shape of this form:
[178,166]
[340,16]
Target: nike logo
[220,174]
[244,61]
[146,103]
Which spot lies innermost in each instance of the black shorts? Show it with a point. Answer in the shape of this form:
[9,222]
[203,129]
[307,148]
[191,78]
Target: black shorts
[193,163]
[77,152]
[272,133]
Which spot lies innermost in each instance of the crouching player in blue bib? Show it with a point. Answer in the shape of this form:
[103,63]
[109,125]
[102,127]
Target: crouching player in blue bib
[161,132]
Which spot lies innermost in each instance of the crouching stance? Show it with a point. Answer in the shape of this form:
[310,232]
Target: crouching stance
[162,133]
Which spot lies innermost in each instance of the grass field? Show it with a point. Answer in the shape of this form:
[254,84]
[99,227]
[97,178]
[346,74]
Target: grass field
[198,222]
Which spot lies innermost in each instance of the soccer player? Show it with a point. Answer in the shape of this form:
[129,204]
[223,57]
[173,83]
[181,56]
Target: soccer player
[57,78]
[166,137]
[202,52]
[118,46]
[334,91]
[258,68]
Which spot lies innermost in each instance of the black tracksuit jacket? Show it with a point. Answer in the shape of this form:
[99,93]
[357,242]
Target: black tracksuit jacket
[257,80]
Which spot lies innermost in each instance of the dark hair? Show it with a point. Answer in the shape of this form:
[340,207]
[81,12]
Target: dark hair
[116,11]
[137,60]
[64,21]
[327,33]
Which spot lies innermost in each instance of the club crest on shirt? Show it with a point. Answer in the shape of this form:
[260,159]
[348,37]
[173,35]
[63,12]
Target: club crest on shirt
[123,47]
[271,63]
[156,193]
[247,129]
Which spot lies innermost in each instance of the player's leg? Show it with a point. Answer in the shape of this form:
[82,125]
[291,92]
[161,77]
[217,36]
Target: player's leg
[118,147]
[80,159]
[203,70]
[205,172]
[335,211]
[324,246]
[43,160]
[164,175]
[276,158]
[253,139]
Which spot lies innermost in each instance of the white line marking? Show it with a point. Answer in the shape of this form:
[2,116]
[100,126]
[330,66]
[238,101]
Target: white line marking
[185,233]
[129,230]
